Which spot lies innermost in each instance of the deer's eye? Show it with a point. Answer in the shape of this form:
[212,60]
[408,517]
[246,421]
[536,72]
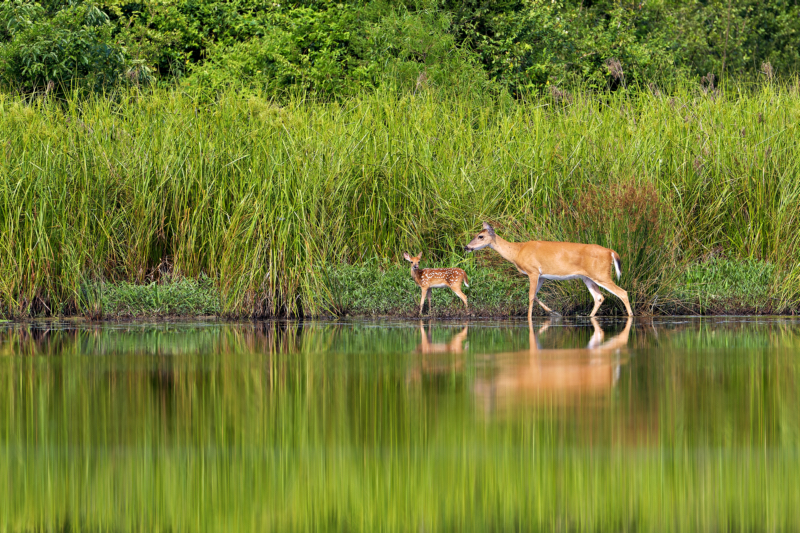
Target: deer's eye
[480,236]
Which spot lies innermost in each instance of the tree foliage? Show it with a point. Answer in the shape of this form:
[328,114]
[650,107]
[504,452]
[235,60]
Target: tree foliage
[72,47]
[340,48]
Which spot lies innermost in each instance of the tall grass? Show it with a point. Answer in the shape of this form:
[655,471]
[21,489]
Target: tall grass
[263,197]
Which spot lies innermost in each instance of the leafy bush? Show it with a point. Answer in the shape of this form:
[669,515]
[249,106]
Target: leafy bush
[171,36]
[734,36]
[414,50]
[310,49]
[529,44]
[337,49]
[73,48]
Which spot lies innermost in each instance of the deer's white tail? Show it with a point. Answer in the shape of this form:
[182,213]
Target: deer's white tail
[465,281]
[617,264]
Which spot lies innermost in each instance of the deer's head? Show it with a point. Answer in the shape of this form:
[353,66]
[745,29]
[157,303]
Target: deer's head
[482,239]
[413,260]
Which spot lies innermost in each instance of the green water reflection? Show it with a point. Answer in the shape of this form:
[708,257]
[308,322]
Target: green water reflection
[662,425]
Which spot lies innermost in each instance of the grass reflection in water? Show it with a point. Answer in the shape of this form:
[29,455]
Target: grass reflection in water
[357,426]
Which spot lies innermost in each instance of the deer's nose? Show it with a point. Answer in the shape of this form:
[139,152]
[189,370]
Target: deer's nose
[466,249]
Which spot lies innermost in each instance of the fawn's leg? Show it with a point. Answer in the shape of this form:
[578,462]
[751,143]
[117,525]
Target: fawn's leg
[457,290]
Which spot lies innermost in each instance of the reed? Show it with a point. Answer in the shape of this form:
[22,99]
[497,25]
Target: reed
[263,198]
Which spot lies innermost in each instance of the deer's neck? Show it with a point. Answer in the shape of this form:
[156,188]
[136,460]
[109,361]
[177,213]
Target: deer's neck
[507,250]
[416,274]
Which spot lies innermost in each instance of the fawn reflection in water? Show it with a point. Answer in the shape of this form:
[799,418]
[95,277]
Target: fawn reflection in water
[553,375]
[438,358]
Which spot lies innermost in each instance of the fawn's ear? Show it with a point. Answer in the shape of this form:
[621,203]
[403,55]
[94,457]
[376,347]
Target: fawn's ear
[419,255]
[488,228]
[406,256]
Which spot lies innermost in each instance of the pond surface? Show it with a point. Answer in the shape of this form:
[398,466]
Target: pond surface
[679,424]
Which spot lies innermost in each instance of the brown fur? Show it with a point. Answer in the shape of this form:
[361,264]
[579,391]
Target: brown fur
[537,258]
[426,278]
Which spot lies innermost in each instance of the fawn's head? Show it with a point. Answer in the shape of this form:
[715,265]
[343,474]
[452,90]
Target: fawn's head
[413,260]
[482,239]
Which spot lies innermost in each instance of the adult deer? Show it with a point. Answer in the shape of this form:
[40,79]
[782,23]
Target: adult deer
[431,278]
[541,260]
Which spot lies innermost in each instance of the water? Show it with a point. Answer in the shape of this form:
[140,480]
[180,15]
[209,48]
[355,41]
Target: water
[665,425]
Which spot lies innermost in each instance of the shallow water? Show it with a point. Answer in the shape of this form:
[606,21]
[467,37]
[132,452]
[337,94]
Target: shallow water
[672,424]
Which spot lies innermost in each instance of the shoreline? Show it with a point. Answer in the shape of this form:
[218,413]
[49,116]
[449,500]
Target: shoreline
[385,290]
[446,314]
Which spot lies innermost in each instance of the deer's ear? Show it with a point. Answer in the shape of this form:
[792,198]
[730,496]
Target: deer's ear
[406,256]
[488,228]
[419,255]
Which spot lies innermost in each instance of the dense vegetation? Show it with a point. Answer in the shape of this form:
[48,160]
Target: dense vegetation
[259,158]
[272,202]
[336,49]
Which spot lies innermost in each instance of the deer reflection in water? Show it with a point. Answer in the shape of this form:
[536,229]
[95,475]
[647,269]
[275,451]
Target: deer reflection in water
[554,375]
[440,358]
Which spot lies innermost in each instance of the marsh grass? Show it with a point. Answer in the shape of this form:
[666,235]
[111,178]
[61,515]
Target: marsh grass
[631,219]
[736,286]
[718,286]
[182,297]
[263,198]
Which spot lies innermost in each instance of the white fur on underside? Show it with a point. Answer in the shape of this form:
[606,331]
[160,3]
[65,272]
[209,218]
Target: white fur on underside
[561,278]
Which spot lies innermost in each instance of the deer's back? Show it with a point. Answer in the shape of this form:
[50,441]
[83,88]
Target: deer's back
[441,275]
[565,258]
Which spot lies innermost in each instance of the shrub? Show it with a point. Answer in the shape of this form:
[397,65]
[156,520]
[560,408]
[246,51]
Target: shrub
[301,48]
[415,50]
[635,222]
[720,282]
[72,49]
[527,45]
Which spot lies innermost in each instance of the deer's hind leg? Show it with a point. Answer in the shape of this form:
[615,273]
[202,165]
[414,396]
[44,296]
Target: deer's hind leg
[457,289]
[594,290]
[617,291]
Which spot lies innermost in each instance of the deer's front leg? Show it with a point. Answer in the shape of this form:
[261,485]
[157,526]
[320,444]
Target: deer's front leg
[422,301]
[532,294]
[535,297]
